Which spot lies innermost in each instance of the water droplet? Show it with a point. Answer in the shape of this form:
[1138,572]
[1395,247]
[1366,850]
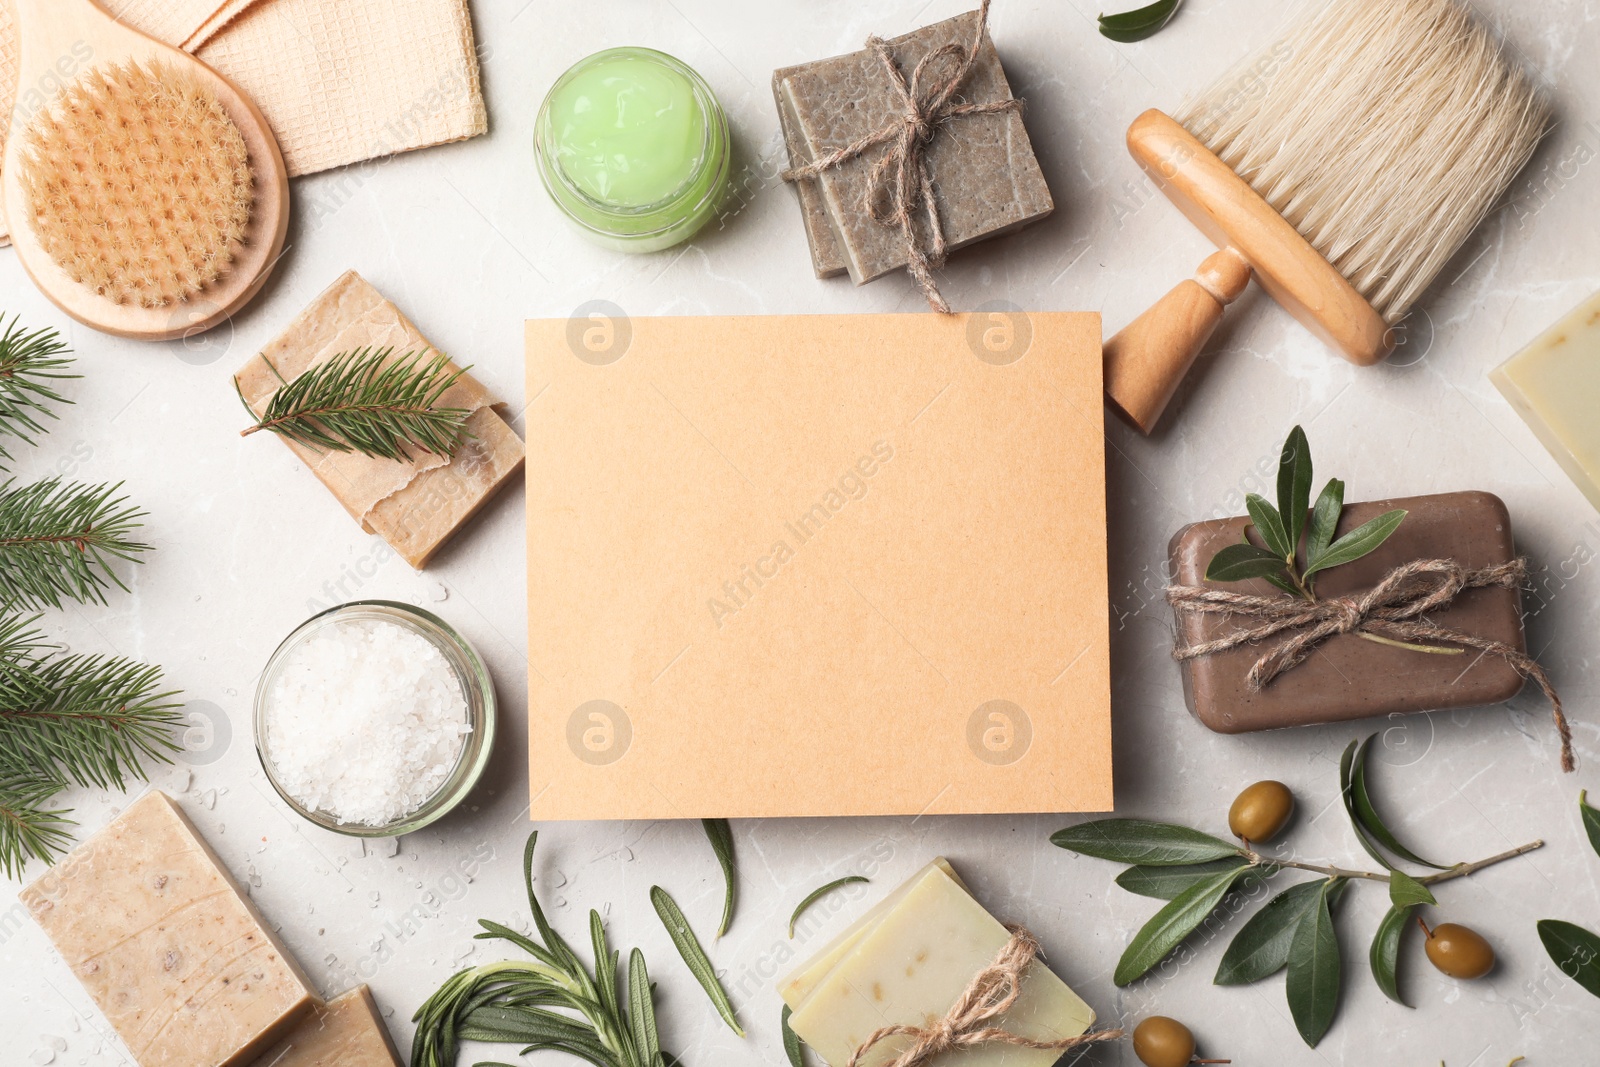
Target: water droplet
[209,799]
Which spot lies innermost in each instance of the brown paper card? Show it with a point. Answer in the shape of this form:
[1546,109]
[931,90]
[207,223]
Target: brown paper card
[805,566]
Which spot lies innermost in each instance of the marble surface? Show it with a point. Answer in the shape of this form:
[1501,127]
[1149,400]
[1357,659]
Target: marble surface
[463,240]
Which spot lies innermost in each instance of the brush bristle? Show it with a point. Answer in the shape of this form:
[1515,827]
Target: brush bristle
[138,184]
[1384,131]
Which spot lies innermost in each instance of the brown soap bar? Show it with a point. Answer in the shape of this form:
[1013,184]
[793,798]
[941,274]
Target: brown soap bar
[985,176]
[1349,677]
[166,945]
[827,259]
[344,1032]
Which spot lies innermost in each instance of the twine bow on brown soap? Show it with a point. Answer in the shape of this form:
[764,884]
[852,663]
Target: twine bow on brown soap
[970,1020]
[899,186]
[1394,609]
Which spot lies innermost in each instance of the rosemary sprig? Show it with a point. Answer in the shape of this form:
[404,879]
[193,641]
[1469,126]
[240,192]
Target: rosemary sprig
[61,539]
[512,1002]
[694,956]
[720,834]
[29,362]
[366,401]
[817,894]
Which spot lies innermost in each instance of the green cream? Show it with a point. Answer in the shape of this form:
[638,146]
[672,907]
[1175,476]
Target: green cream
[633,147]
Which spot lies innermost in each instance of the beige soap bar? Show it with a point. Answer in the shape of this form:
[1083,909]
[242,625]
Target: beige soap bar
[1554,384]
[345,1032]
[162,940]
[906,962]
[415,506]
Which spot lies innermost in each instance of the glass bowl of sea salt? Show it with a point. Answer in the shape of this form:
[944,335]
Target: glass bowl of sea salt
[374,719]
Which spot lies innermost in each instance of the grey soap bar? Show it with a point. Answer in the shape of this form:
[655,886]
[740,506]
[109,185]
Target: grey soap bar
[1349,678]
[986,179]
[827,259]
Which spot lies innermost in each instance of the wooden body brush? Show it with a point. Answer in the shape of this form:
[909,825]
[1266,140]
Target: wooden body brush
[148,197]
[1341,170]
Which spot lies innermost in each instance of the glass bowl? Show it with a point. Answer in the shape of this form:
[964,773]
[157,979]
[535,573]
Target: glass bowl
[476,687]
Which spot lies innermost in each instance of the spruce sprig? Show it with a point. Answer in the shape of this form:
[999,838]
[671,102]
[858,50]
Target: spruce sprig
[366,401]
[62,540]
[69,719]
[30,361]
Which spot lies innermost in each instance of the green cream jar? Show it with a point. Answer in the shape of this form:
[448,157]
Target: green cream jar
[633,147]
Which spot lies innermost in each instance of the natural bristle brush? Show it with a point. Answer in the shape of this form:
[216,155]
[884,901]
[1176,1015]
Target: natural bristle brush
[1342,170]
[147,197]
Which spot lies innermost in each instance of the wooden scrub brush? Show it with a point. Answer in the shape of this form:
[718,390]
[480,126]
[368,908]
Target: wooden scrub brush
[1342,169]
[147,197]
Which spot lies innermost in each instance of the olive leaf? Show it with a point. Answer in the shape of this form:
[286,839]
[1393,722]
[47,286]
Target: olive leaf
[1137,841]
[720,834]
[791,1041]
[1368,824]
[1384,955]
[1131,26]
[1312,985]
[1405,891]
[1235,563]
[1174,922]
[1325,518]
[1573,949]
[1294,487]
[817,894]
[1165,883]
[1272,525]
[1591,820]
[1261,947]
[1357,543]
[693,955]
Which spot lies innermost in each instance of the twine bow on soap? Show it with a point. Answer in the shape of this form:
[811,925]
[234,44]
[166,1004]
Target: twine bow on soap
[970,1020]
[1392,610]
[899,186]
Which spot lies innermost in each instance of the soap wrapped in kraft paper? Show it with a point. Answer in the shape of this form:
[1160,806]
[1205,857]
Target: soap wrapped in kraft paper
[929,954]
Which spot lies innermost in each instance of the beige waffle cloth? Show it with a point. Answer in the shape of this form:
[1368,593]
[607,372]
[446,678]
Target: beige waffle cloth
[340,81]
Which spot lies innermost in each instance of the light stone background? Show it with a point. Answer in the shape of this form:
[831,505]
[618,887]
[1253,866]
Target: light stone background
[462,238]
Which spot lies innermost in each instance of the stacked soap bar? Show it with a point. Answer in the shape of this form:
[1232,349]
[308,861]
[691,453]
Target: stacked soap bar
[1554,384]
[344,1032]
[1350,678]
[165,944]
[906,961]
[415,506]
[985,176]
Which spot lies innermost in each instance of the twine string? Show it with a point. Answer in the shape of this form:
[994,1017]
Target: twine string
[971,1020]
[1395,608]
[899,185]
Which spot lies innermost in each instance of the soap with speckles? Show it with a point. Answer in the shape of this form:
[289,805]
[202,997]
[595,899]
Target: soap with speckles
[906,962]
[1554,384]
[985,176]
[344,1032]
[173,954]
[1349,677]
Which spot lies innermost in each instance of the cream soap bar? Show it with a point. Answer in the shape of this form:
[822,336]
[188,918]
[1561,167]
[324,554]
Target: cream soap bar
[165,944]
[345,1032]
[906,962]
[1554,384]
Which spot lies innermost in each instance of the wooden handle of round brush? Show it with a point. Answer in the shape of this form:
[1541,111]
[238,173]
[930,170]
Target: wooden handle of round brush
[1145,363]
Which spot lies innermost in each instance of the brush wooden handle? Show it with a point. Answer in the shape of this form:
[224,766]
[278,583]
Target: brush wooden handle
[1145,363]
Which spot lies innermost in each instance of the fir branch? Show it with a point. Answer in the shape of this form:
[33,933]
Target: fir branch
[365,401]
[60,540]
[27,827]
[30,361]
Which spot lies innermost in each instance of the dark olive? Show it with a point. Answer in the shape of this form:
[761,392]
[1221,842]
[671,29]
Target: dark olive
[1458,951]
[1163,1042]
[1261,812]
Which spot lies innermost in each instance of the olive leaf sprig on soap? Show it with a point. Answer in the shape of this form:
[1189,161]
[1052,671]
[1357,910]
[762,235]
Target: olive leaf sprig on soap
[1572,948]
[1196,872]
[369,402]
[1280,558]
[1127,27]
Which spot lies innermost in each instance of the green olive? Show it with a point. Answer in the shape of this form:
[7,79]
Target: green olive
[1163,1042]
[1458,951]
[1261,812]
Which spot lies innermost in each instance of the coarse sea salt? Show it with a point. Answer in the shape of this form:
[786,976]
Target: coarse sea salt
[365,721]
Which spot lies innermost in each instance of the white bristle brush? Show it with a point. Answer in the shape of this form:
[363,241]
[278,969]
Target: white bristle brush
[1342,169]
